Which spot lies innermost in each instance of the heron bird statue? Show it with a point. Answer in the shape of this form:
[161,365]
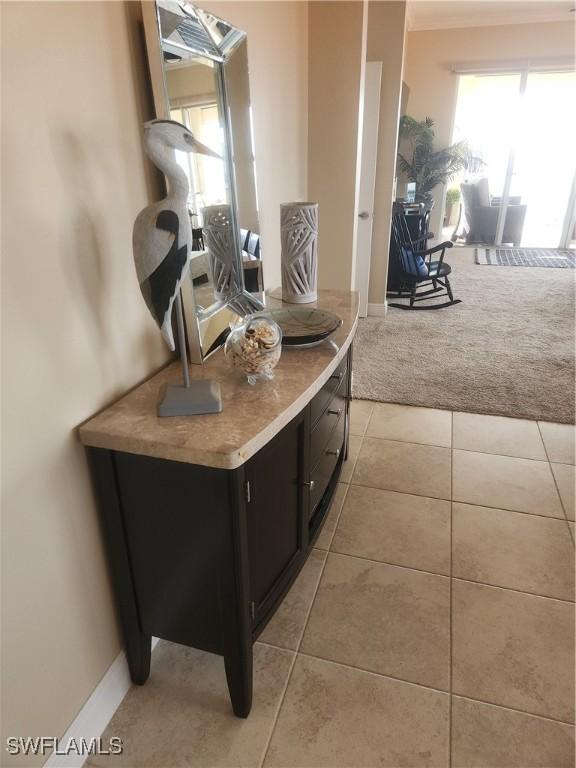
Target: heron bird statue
[161,242]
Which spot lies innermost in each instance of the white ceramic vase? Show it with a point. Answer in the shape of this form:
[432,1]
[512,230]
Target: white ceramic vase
[218,234]
[299,238]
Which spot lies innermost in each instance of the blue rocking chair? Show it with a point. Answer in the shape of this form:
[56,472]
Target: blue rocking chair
[411,267]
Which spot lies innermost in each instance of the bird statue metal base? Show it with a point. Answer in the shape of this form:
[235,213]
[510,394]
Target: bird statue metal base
[192,397]
[201,396]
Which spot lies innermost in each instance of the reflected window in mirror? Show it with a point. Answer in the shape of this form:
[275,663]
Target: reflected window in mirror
[199,72]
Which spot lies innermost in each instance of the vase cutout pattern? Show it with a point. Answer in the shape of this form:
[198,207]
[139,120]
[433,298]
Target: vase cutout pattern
[219,236]
[299,239]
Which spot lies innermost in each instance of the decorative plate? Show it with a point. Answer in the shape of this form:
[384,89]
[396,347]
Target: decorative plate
[304,327]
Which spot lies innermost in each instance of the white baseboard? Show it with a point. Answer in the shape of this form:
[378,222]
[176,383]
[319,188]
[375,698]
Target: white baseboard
[377,310]
[96,713]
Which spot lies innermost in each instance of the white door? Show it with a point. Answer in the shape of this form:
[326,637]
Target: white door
[367,180]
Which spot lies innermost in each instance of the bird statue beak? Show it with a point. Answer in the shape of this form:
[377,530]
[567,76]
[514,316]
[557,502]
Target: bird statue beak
[199,148]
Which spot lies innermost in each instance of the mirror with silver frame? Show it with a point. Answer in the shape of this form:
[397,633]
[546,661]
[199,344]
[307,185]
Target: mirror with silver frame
[199,72]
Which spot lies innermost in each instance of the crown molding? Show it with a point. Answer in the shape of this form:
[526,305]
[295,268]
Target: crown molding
[463,20]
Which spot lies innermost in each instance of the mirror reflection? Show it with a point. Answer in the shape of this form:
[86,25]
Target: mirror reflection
[206,87]
[192,93]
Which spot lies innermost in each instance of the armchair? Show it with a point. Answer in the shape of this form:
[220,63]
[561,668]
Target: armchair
[481,212]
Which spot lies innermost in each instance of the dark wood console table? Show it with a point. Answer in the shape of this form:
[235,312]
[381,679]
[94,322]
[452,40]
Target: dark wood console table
[209,519]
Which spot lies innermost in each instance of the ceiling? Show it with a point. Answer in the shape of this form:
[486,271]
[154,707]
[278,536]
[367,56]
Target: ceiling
[446,14]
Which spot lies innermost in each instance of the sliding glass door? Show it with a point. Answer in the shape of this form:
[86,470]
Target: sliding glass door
[521,125]
[485,117]
[545,156]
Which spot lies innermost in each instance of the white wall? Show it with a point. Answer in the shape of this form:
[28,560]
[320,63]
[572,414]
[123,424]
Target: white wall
[75,334]
[75,330]
[336,52]
[386,35]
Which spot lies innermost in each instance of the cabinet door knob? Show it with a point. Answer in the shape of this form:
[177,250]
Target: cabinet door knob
[335,411]
[310,485]
[334,453]
[338,376]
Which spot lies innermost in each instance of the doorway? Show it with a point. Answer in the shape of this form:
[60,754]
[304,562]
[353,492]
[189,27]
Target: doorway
[520,125]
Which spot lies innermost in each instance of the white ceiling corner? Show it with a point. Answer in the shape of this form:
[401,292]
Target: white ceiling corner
[451,14]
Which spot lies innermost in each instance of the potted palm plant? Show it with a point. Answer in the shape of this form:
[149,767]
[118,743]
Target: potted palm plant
[424,165]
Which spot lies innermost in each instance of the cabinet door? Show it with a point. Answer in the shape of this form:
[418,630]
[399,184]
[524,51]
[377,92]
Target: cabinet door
[276,515]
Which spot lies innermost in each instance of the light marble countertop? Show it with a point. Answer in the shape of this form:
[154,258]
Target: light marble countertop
[251,416]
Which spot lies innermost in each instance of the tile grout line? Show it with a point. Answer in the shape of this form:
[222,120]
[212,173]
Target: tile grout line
[353,466]
[516,591]
[512,709]
[464,450]
[504,455]
[424,686]
[392,565]
[559,424]
[329,548]
[458,501]
[279,707]
[454,578]
[556,485]
[367,671]
[363,435]
[410,442]
[513,511]
[309,611]
[295,657]
[368,422]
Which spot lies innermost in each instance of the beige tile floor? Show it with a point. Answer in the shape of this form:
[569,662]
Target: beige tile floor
[433,624]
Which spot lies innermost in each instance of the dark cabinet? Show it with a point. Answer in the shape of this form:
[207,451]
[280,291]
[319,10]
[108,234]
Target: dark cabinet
[168,509]
[203,556]
[276,512]
[329,457]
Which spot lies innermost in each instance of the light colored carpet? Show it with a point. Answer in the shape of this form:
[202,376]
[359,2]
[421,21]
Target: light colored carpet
[507,349]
